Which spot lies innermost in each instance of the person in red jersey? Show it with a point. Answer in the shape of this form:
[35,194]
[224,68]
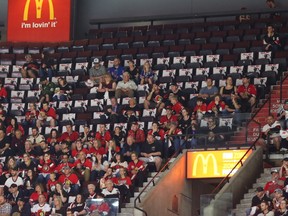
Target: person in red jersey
[69,135]
[46,114]
[169,117]
[96,148]
[39,190]
[78,148]
[176,105]
[157,132]
[3,93]
[216,106]
[136,170]
[14,125]
[103,135]
[275,183]
[63,163]
[247,93]
[107,176]
[45,167]
[124,184]
[83,166]
[70,181]
[51,183]
[137,133]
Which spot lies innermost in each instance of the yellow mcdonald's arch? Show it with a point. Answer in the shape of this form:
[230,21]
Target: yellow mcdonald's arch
[205,164]
[39,8]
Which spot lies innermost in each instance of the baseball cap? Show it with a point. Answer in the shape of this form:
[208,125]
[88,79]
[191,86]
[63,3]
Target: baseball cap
[259,189]
[278,191]
[21,199]
[274,171]
[13,185]
[96,61]
[285,159]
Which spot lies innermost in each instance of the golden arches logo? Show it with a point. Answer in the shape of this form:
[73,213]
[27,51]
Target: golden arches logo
[204,166]
[39,4]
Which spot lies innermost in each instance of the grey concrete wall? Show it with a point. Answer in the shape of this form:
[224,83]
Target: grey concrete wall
[238,184]
[3,18]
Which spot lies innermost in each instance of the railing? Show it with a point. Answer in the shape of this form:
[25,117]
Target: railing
[203,16]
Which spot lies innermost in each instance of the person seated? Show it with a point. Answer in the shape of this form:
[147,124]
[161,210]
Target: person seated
[63,91]
[77,148]
[30,69]
[283,172]
[41,208]
[132,111]
[83,166]
[31,116]
[124,185]
[227,90]
[78,207]
[110,191]
[157,132]
[271,134]
[155,99]
[14,194]
[70,181]
[98,167]
[247,93]
[114,111]
[271,40]
[117,163]
[13,126]
[70,135]
[111,150]
[47,90]
[45,167]
[256,201]
[133,71]
[97,72]
[39,190]
[106,88]
[265,209]
[176,105]
[278,197]
[174,143]
[117,71]
[47,114]
[126,87]
[107,176]
[275,183]
[216,107]
[47,67]
[282,114]
[212,127]
[175,91]
[146,74]
[119,135]
[3,94]
[21,207]
[137,134]
[200,109]
[282,210]
[59,208]
[35,138]
[91,188]
[129,147]
[103,135]
[168,118]
[136,169]
[151,151]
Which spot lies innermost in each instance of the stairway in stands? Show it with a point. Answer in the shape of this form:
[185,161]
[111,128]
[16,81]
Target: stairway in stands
[245,203]
[261,114]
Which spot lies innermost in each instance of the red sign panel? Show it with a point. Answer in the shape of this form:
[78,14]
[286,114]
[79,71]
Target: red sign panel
[38,20]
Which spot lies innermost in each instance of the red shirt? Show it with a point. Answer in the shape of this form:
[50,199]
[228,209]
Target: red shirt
[160,134]
[9,129]
[75,152]
[251,89]
[3,92]
[138,166]
[202,108]
[124,181]
[71,179]
[271,186]
[34,196]
[32,115]
[177,108]
[50,112]
[212,104]
[106,137]
[60,166]
[46,167]
[95,151]
[138,135]
[72,137]
[165,119]
[87,163]
[51,184]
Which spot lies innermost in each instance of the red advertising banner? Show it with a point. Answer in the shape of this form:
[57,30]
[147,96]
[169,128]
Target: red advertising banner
[38,20]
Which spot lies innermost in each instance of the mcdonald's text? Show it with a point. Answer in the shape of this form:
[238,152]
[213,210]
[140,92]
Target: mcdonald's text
[36,25]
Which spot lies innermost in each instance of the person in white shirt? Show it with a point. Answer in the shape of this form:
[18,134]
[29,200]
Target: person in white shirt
[41,208]
[126,87]
[14,179]
[110,191]
[265,209]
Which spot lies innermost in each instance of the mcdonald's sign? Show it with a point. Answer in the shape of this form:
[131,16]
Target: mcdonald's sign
[213,164]
[39,20]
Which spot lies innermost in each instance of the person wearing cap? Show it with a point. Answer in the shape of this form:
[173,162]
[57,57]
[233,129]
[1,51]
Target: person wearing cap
[271,134]
[30,69]
[247,93]
[125,87]
[97,71]
[14,194]
[22,207]
[175,90]
[117,70]
[256,201]
[275,183]
[47,90]
[282,114]
[70,181]
[278,197]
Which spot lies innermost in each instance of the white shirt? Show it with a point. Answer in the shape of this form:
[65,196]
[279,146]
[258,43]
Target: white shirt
[19,182]
[267,126]
[130,85]
[45,208]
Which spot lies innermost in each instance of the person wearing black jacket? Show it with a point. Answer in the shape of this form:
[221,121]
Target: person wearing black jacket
[47,66]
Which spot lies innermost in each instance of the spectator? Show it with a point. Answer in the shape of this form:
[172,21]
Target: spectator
[116,71]
[233,107]
[96,148]
[146,74]
[17,143]
[70,181]
[21,208]
[41,208]
[5,150]
[133,71]
[176,91]
[129,147]
[278,197]
[58,207]
[155,99]
[30,181]
[265,209]
[200,109]
[119,136]
[47,114]
[282,114]
[14,125]
[270,134]
[126,87]
[29,149]
[271,40]
[103,135]
[70,135]
[87,135]
[216,107]
[151,151]
[118,162]
[14,178]
[47,90]
[54,138]
[165,120]
[131,112]
[78,149]
[83,166]
[63,91]
[47,67]
[39,190]
[256,201]
[247,93]
[124,185]
[282,211]
[97,72]
[3,93]
[98,168]
[157,132]
[78,207]
[137,133]
[14,194]
[228,90]
[5,207]
[110,191]
[275,183]
[45,167]
[27,163]
[111,149]
[30,117]
[114,111]
[176,105]
[107,176]
[30,68]
[174,142]
[35,138]
[136,169]
[107,87]
[283,172]
[59,192]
